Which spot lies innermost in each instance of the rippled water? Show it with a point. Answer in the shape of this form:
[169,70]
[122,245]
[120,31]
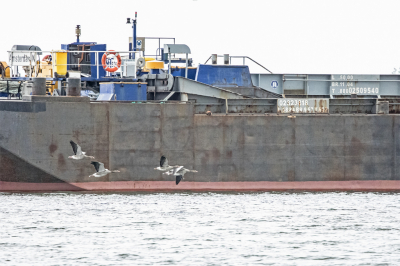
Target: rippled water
[200,229]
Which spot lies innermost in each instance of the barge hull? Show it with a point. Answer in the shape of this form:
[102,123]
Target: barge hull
[236,152]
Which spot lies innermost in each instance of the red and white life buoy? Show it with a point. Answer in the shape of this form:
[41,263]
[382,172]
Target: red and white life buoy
[104,58]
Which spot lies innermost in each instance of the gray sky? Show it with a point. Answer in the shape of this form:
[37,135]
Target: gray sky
[323,37]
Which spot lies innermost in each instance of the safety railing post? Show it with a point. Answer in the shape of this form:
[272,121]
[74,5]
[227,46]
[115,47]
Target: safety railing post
[97,64]
[186,68]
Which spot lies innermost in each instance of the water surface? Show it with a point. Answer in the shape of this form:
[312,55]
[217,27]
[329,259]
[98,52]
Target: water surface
[200,229]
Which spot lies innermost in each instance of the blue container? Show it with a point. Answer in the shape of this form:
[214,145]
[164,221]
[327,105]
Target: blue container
[224,75]
[180,72]
[123,91]
[93,47]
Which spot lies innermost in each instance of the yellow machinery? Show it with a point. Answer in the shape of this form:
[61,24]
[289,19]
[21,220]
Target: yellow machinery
[147,59]
[60,62]
[4,69]
[154,65]
[58,66]
[45,69]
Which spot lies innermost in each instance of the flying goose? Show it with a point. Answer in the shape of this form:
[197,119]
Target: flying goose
[79,154]
[100,170]
[179,172]
[164,166]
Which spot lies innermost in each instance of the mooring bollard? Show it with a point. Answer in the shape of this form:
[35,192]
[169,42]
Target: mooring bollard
[39,86]
[74,87]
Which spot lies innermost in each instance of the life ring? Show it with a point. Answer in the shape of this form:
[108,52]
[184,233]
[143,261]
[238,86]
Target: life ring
[103,61]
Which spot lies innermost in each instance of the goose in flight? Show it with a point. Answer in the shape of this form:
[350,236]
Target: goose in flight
[100,170]
[164,166]
[179,172]
[79,154]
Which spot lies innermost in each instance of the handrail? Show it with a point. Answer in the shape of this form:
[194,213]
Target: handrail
[32,58]
[239,56]
[69,51]
[159,43]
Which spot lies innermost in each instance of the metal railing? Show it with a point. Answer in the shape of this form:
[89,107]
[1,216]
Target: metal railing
[244,58]
[159,45]
[32,57]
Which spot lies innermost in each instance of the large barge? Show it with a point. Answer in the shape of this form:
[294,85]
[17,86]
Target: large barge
[240,131]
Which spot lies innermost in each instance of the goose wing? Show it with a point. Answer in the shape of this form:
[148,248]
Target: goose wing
[176,170]
[178,179]
[101,167]
[74,146]
[163,161]
[96,165]
[79,150]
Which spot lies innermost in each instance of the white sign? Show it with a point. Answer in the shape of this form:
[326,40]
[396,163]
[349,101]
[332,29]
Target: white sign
[140,43]
[274,84]
[22,59]
[354,84]
[303,106]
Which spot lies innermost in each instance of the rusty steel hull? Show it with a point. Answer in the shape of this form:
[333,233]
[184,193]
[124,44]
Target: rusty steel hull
[234,152]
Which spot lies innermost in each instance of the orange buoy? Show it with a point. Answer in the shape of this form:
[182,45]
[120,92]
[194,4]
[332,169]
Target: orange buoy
[103,61]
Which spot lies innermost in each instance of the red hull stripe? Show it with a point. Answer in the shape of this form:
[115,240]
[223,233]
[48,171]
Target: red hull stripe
[20,186]
[368,185]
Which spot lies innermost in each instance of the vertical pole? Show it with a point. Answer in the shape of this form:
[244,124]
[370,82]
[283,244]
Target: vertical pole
[97,64]
[307,85]
[36,65]
[169,64]
[186,70]
[134,36]
[30,65]
[11,65]
[53,58]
